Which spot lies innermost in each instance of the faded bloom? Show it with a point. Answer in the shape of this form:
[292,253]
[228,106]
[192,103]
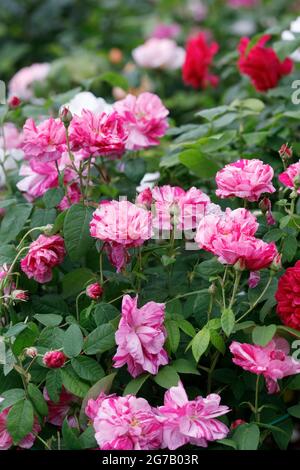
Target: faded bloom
[159,54]
[45,142]
[254,279]
[271,361]
[44,254]
[288,297]
[54,359]
[94,291]
[86,100]
[98,134]
[191,421]
[145,119]
[124,423]
[6,441]
[57,412]
[198,60]
[10,149]
[247,179]
[289,176]
[164,30]
[19,294]
[140,337]
[21,84]
[262,64]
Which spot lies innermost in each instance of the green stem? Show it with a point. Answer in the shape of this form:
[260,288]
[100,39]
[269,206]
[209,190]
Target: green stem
[237,279]
[77,304]
[256,411]
[257,300]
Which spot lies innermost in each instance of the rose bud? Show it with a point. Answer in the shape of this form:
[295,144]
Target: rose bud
[285,152]
[14,102]
[31,352]
[276,263]
[145,198]
[237,423]
[18,294]
[54,359]
[94,291]
[65,115]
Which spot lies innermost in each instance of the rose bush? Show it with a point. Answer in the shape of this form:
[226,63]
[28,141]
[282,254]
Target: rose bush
[150,218]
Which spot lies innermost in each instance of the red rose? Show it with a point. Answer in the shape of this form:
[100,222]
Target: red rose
[262,64]
[288,297]
[199,56]
[54,359]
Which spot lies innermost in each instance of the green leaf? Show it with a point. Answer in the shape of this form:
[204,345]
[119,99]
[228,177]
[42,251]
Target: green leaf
[71,440]
[217,341]
[7,254]
[10,397]
[76,281]
[183,366]
[20,420]
[49,304]
[227,321]
[294,411]
[87,368]
[186,327]
[228,443]
[53,197]
[273,235]
[167,377]
[103,385]
[40,218]
[198,163]
[13,222]
[200,343]
[114,79]
[15,330]
[54,384]
[262,335]
[208,268]
[77,231]
[247,436]
[73,341]
[134,385]
[100,340]
[50,319]
[26,338]
[73,383]
[37,399]
[289,248]
[173,334]
[135,169]
[51,338]
[87,438]
[104,313]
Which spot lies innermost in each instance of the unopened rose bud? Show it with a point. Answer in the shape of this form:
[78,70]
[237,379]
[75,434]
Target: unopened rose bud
[31,352]
[239,265]
[237,423]
[94,291]
[265,205]
[212,289]
[18,294]
[115,55]
[14,102]
[65,115]
[54,359]
[47,229]
[296,182]
[254,279]
[276,263]
[285,152]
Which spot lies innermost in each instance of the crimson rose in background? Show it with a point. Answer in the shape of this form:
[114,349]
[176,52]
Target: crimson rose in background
[44,254]
[198,60]
[262,64]
[288,297]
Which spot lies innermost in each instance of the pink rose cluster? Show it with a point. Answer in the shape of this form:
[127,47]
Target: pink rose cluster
[287,178]
[130,423]
[43,255]
[247,179]
[140,337]
[271,361]
[230,236]
[121,225]
[173,206]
